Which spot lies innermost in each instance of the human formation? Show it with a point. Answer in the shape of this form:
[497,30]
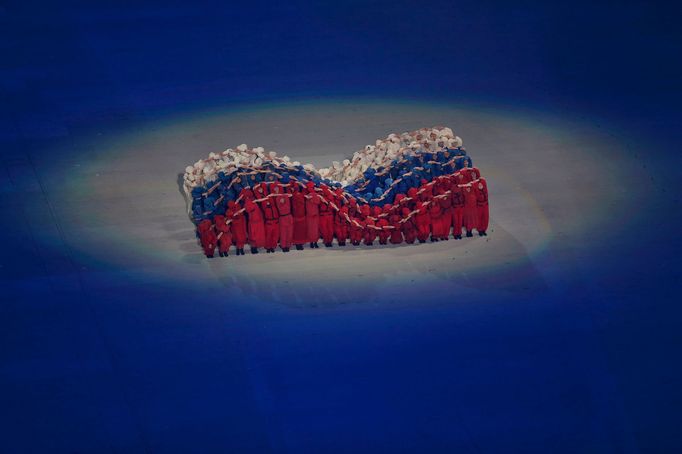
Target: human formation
[409,188]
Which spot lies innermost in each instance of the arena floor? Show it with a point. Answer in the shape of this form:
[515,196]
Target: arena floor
[125,338]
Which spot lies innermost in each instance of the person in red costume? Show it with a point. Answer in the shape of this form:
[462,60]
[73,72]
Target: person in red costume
[207,237]
[396,230]
[271,216]
[425,192]
[282,201]
[352,208]
[341,225]
[326,221]
[370,231]
[436,214]
[364,212]
[399,201]
[298,209]
[457,210]
[383,223]
[247,194]
[461,177]
[339,198]
[236,214]
[445,202]
[482,208]
[469,209]
[423,221]
[312,214]
[356,231]
[409,227]
[224,234]
[412,195]
[256,226]
[260,190]
[469,174]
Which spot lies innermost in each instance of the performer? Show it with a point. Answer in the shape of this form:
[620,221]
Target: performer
[469,209]
[236,214]
[256,226]
[326,222]
[353,208]
[413,198]
[357,229]
[369,231]
[423,221]
[207,237]
[408,228]
[312,214]
[383,223]
[458,209]
[445,202]
[298,203]
[341,225]
[224,234]
[436,215]
[271,224]
[396,226]
[482,209]
[286,221]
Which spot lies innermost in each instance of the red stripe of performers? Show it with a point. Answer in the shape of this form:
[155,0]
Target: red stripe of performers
[289,215]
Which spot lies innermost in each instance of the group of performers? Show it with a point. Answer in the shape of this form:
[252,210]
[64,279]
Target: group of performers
[434,196]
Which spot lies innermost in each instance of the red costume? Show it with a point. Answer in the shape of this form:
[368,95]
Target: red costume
[326,222]
[469,208]
[207,237]
[457,211]
[353,208]
[298,209]
[412,195]
[312,214]
[425,192]
[286,221]
[224,235]
[238,225]
[409,227]
[482,209]
[356,231]
[436,214]
[423,221]
[382,223]
[341,225]
[445,203]
[370,231]
[271,223]
[256,225]
[394,220]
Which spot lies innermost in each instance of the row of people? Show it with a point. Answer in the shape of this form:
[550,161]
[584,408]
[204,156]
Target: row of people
[287,213]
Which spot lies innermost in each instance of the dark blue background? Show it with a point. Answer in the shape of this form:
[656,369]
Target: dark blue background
[69,67]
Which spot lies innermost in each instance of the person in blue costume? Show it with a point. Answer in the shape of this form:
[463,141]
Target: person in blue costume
[197,203]
[427,173]
[466,162]
[389,191]
[198,210]
[209,204]
[371,180]
[436,169]
[402,186]
[250,179]
[394,170]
